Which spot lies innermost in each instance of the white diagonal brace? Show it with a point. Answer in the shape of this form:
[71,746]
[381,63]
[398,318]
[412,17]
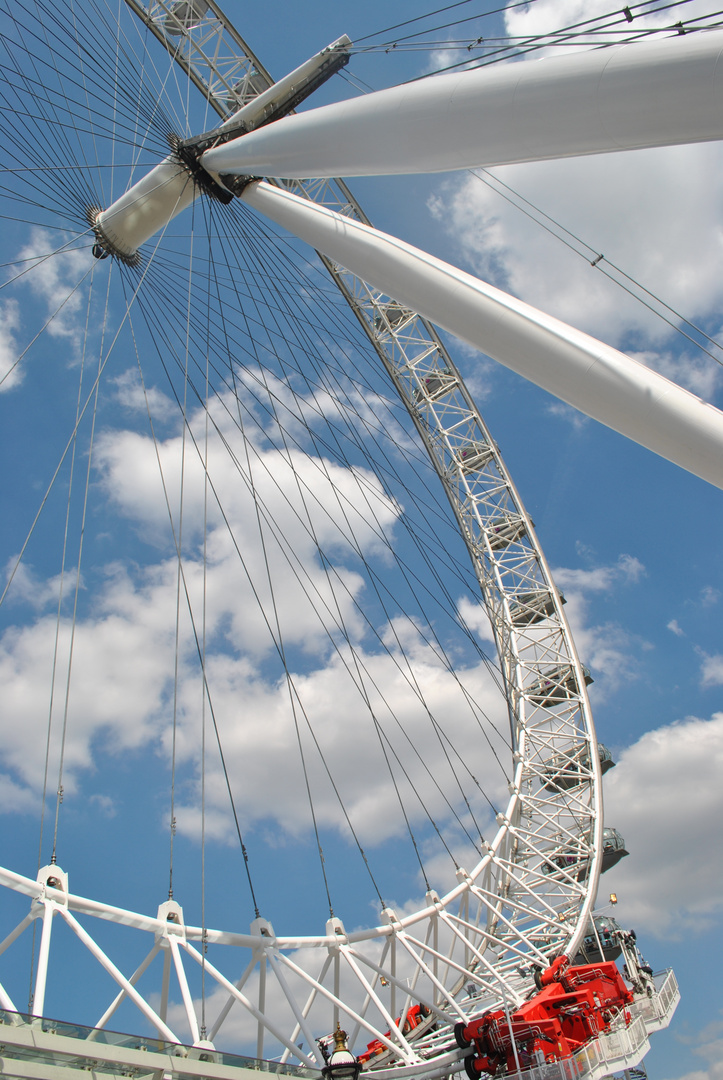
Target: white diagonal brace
[6,1002]
[14,934]
[185,991]
[395,1030]
[238,996]
[421,966]
[589,375]
[339,1004]
[163,1030]
[121,996]
[273,959]
[309,1002]
[652,93]
[225,1010]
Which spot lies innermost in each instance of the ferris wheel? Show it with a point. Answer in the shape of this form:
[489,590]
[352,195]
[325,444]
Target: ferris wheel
[525,894]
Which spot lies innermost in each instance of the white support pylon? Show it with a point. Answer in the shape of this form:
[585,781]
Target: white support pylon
[652,93]
[589,375]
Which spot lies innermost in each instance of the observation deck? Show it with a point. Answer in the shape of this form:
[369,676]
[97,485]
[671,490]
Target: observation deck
[37,1048]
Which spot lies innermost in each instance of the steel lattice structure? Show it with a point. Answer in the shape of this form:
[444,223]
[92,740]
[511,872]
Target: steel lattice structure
[531,894]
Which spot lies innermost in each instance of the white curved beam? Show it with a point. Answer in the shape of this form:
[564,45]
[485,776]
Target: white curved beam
[593,377]
[656,93]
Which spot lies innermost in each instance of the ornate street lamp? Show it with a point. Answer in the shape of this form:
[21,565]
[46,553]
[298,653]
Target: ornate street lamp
[341,1064]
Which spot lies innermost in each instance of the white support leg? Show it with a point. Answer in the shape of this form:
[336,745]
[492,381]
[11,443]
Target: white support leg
[595,378]
[291,999]
[262,1008]
[240,983]
[43,956]
[122,995]
[238,996]
[165,984]
[653,93]
[163,1030]
[185,991]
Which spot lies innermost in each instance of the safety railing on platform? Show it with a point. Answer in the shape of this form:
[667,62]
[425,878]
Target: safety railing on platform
[29,1041]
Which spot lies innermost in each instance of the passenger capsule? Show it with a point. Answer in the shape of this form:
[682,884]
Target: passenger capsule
[474,457]
[567,770]
[252,84]
[558,683]
[435,385]
[505,530]
[391,316]
[184,15]
[529,608]
[570,862]
[613,849]
[603,935]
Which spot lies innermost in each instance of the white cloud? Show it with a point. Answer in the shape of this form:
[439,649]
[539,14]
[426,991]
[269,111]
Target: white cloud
[10,374]
[607,648]
[548,16]
[132,395]
[54,280]
[711,670]
[667,799]
[622,205]
[261,731]
[576,419]
[708,1045]
[627,570]
[15,798]
[27,586]
[675,628]
[128,626]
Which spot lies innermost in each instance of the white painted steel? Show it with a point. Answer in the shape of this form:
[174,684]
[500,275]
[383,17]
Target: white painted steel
[655,93]
[253,111]
[593,377]
[508,903]
[146,208]
[43,955]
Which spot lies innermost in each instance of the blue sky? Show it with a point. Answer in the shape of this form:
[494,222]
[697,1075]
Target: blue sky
[633,540]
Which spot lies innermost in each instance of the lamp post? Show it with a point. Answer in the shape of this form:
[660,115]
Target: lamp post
[341,1064]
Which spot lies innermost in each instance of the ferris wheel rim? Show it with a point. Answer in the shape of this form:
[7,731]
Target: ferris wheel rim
[462,887]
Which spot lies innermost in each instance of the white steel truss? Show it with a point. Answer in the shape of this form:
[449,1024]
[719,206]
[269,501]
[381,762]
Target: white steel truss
[531,893]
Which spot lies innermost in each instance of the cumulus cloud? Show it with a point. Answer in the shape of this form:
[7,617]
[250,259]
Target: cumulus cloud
[706,1044]
[256,726]
[666,795]
[612,210]
[382,692]
[711,670]
[30,588]
[615,203]
[549,16]
[607,648]
[55,281]
[10,372]
[132,395]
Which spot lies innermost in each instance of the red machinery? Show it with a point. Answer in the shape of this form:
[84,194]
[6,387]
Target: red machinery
[572,1006]
[414,1018]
